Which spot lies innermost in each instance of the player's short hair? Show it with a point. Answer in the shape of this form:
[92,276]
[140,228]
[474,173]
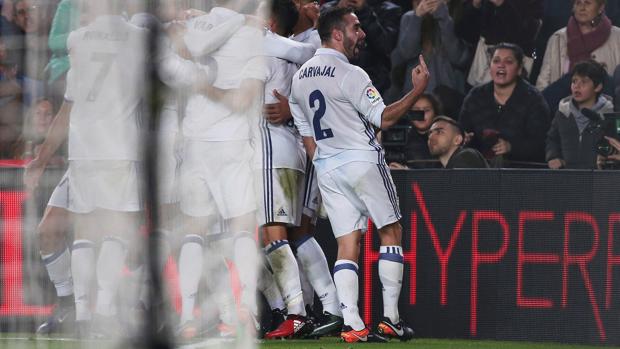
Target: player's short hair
[285,13]
[332,19]
[591,69]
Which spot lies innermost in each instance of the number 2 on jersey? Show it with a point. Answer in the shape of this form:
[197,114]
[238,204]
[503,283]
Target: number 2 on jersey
[106,60]
[319,133]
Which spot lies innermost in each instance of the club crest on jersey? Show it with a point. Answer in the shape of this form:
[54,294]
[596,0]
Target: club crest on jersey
[373,95]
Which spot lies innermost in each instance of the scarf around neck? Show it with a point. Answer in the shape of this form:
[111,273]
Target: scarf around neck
[580,46]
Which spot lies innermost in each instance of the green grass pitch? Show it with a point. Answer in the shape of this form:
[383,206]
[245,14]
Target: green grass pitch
[26,341]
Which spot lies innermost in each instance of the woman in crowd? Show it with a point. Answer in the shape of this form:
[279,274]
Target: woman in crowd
[508,117]
[416,150]
[429,30]
[588,35]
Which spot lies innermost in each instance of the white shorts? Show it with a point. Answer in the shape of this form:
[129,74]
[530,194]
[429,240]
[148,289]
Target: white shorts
[281,195]
[312,195]
[356,191]
[168,162]
[104,184]
[217,179]
[60,195]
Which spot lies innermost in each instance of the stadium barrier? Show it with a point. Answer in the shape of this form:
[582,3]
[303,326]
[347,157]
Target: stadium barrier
[489,254]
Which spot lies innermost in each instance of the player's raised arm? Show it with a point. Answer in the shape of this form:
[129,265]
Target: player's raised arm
[393,112]
[55,137]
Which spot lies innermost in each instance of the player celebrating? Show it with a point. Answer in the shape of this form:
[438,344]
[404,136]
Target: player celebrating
[335,107]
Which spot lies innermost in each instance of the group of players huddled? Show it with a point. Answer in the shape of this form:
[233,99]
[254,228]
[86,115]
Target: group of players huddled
[263,121]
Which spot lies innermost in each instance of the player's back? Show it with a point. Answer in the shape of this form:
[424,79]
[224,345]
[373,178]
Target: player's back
[106,88]
[337,100]
[236,59]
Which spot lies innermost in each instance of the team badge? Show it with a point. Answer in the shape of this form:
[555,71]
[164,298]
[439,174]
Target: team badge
[373,95]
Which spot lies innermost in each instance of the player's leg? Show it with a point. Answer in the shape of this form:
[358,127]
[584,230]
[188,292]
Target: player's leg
[269,288]
[56,255]
[280,209]
[312,260]
[218,278]
[347,221]
[196,206]
[83,271]
[190,264]
[381,201]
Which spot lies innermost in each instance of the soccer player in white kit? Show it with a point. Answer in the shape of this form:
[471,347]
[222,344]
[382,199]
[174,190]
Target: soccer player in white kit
[104,101]
[217,177]
[335,107]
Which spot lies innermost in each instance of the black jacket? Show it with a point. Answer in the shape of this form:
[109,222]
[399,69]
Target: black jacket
[523,120]
[467,158]
[380,21]
[564,141]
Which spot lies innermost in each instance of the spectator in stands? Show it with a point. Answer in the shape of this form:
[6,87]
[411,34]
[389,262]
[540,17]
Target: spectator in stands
[575,129]
[588,35]
[488,22]
[445,141]
[10,104]
[65,20]
[14,20]
[38,121]
[429,30]
[34,19]
[509,118]
[379,20]
[416,148]
[617,88]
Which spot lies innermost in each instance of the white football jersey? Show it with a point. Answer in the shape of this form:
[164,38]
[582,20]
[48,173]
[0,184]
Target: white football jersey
[282,147]
[335,103]
[106,87]
[237,59]
[310,36]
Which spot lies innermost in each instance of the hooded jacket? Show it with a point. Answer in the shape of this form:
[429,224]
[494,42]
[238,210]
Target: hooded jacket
[573,138]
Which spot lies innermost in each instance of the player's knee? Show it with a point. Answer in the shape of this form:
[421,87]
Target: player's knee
[391,234]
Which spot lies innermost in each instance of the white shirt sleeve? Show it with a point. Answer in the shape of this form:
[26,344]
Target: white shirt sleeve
[301,122]
[287,49]
[358,88]
[203,37]
[69,86]
[177,72]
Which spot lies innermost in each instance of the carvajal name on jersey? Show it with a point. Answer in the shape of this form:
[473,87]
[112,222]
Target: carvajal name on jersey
[97,35]
[310,72]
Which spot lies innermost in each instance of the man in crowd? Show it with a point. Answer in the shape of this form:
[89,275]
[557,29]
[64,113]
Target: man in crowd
[445,141]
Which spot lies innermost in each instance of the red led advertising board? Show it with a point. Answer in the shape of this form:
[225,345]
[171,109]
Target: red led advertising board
[494,254]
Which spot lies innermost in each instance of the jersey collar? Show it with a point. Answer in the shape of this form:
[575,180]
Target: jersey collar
[332,52]
[301,37]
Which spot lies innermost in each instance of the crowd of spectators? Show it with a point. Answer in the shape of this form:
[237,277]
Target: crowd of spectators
[502,68]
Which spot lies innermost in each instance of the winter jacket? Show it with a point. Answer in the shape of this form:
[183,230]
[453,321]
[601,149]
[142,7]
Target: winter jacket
[523,120]
[450,53]
[556,63]
[565,142]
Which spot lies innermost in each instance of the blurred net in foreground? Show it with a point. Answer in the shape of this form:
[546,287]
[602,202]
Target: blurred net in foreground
[149,235]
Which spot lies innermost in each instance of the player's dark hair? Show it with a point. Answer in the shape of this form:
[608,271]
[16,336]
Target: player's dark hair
[591,69]
[286,14]
[330,20]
